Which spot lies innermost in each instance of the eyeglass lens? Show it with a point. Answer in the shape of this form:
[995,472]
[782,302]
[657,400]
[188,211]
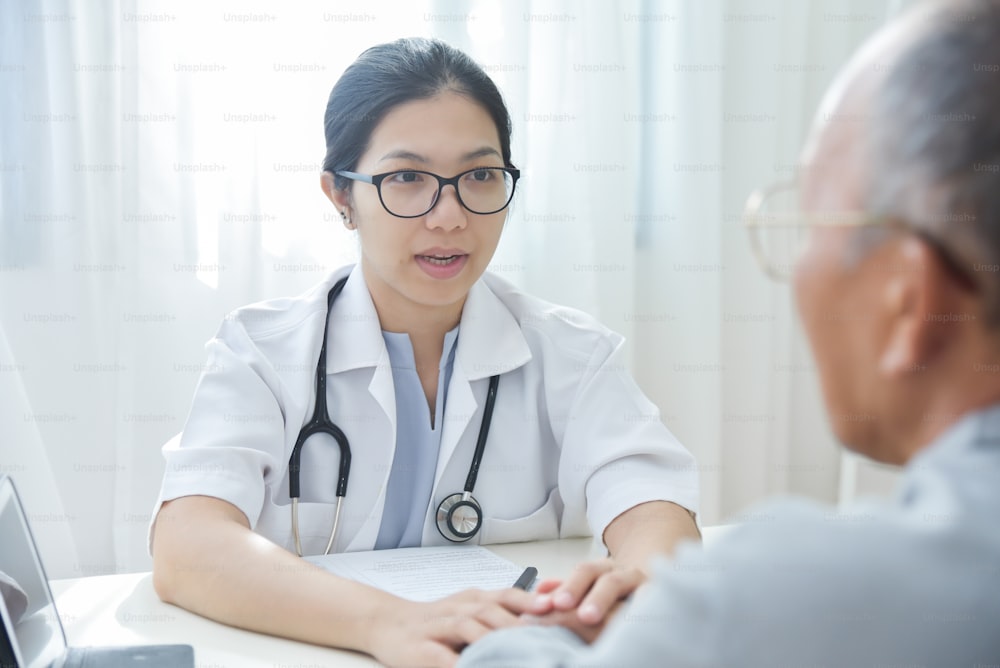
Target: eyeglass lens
[783,238]
[414,193]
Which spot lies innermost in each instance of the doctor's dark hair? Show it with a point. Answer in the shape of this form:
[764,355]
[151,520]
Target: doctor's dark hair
[388,75]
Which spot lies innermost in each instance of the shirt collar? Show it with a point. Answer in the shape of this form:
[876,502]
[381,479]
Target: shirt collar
[400,349]
[491,341]
[978,429]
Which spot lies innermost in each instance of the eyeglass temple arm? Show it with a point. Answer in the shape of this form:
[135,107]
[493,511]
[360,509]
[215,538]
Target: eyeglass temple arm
[354,176]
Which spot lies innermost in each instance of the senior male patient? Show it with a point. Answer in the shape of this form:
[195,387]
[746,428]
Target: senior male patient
[899,294]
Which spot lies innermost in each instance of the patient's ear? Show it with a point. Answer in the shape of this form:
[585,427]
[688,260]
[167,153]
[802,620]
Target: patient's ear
[918,299]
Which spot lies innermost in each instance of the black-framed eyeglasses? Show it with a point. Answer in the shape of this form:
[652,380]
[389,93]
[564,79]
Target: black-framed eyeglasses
[411,193]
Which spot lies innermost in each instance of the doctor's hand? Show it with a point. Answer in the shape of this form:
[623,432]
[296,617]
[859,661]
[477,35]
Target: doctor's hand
[586,600]
[432,634]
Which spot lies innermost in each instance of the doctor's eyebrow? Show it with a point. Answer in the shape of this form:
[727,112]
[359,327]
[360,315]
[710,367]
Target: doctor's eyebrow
[481,153]
[402,154]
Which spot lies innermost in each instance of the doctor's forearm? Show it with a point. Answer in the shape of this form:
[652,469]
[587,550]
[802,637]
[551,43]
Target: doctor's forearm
[648,529]
[206,559]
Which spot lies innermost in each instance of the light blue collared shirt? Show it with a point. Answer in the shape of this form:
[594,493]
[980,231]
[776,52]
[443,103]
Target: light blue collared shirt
[910,582]
[417,442]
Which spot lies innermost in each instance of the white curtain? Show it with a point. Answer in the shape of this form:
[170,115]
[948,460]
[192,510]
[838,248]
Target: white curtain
[736,84]
[159,166]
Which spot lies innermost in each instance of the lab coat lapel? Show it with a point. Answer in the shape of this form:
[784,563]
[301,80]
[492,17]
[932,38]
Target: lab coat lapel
[362,345]
[490,342]
[382,390]
[355,331]
[356,342]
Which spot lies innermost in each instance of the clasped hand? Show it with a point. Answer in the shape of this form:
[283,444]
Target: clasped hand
[585,601]
[432,634]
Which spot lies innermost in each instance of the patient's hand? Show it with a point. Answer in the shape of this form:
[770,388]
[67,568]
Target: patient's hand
[587,599]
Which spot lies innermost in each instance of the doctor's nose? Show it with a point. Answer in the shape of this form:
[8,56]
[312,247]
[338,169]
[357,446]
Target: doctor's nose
[447,212]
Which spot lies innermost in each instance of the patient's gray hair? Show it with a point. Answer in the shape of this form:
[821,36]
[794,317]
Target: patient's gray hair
[935,139]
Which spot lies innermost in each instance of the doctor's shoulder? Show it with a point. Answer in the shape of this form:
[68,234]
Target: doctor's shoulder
[557,329]
[275,327]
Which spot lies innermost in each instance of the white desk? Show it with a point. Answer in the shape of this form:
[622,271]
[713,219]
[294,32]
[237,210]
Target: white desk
[124,609]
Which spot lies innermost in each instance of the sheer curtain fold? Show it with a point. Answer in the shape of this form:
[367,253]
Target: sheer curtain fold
[160,168]
[24,458]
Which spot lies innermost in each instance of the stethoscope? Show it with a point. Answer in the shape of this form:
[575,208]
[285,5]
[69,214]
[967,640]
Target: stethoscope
[459,516]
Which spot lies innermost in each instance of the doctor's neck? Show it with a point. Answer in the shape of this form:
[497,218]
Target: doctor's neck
[418,320]
[401,312]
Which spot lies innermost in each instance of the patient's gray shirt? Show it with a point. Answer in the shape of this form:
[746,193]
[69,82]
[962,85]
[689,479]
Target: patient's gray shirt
[910,582]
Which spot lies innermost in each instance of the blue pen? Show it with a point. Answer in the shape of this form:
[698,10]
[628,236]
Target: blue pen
[527,578]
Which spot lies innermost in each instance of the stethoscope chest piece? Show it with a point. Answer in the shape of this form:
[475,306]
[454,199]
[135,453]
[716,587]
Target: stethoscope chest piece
[459,517]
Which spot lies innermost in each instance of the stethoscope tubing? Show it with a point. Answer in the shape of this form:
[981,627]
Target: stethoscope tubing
[484,432]
[320,423]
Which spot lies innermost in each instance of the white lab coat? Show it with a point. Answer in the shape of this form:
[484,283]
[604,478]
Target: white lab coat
[573,442]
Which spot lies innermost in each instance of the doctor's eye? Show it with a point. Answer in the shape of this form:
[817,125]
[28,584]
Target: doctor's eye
[406,177]
[482,175]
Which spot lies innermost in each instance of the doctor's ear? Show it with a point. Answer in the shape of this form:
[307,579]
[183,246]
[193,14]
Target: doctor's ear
[340,198]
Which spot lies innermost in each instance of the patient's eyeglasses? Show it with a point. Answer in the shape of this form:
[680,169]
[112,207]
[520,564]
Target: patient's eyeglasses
[779,229]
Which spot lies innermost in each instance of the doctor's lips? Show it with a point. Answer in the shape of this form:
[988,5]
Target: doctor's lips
[442,262]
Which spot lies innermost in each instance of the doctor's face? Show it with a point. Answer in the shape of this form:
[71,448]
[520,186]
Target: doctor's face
[433,260]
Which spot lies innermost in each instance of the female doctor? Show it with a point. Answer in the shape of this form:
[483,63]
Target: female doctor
[418,338]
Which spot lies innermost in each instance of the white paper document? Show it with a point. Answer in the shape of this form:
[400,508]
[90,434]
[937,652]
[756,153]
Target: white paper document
[423,573]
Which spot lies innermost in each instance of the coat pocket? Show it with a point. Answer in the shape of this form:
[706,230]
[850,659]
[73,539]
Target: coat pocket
[541,524]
